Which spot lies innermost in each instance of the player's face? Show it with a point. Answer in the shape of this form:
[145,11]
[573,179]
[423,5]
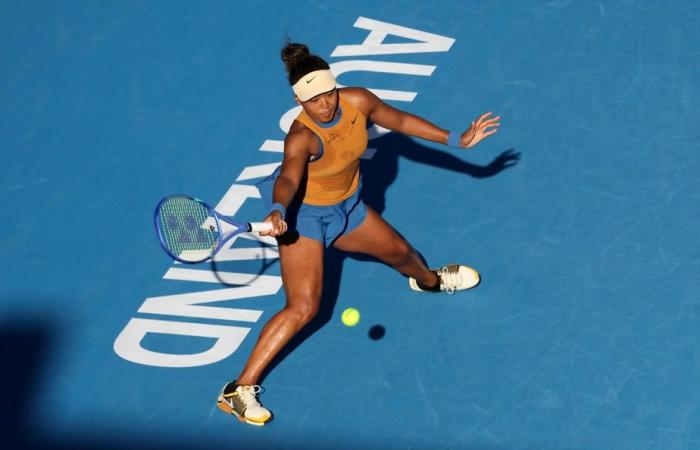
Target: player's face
[323,107]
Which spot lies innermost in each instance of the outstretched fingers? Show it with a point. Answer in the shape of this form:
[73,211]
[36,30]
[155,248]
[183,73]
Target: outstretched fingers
[484,121]
[488,126]
[489,132]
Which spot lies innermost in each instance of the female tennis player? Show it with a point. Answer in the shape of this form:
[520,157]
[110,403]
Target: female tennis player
[315,202]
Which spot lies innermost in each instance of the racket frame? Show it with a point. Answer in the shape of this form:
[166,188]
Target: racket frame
[240,227]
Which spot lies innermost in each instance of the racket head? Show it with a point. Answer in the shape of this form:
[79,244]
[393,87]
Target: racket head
[188,229]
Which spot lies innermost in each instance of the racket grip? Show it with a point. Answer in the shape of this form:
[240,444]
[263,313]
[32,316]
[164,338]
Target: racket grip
[260,226]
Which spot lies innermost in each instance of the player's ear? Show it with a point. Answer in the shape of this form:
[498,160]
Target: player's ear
[296,99]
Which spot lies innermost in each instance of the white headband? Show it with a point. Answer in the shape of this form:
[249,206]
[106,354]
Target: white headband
[314,83]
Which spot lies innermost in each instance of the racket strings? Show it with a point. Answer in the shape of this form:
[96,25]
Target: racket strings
[186,229]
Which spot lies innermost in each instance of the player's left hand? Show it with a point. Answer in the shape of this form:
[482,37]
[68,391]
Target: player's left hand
[481,128]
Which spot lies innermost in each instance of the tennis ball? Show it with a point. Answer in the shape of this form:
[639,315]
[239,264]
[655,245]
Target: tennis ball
[350,317]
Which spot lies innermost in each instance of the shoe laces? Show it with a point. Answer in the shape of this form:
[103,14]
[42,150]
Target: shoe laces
[247,393]
[449,280]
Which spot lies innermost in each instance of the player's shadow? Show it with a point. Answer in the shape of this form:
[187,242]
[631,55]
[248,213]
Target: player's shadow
[378,174]
[381,171]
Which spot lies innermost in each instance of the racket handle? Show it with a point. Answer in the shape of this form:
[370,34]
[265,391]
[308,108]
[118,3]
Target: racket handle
[260,226]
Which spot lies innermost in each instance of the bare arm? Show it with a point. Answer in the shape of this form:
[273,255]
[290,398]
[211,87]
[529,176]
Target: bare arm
[396,120]
[298,148]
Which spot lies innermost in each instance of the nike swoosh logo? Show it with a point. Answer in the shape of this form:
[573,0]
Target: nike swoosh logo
[310,79]
[354,119]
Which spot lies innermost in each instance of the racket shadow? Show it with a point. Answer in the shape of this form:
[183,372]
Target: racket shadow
[257,261]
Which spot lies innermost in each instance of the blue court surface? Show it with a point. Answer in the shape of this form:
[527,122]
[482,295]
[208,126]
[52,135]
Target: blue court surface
[582,215]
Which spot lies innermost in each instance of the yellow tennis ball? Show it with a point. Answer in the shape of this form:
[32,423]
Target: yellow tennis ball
[350,317]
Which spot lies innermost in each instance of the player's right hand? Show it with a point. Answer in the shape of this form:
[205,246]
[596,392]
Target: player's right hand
[279,226]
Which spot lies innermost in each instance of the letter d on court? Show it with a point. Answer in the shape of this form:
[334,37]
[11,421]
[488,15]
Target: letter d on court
[128,343]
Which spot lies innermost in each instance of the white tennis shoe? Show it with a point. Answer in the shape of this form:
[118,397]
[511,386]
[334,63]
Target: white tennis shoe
[453,277]
[240,400]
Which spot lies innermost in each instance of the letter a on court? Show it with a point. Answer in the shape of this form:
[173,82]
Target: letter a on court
[373,44]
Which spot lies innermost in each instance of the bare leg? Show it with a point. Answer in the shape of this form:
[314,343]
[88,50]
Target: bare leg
[377,238]
[302,275]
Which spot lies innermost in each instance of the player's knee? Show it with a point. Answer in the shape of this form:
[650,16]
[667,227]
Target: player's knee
[308,312]
[304,311]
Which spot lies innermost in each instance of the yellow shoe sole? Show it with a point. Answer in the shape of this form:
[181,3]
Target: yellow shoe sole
[223,406]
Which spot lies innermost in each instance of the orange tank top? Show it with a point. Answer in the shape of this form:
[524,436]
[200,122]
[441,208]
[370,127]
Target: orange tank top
[335,174]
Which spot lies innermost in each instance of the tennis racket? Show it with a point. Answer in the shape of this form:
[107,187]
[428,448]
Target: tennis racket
[190,231]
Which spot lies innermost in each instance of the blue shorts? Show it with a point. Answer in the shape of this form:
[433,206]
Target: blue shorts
[322,223]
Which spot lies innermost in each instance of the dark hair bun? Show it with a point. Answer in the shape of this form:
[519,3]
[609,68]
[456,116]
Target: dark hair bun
[299,61]
[293,53]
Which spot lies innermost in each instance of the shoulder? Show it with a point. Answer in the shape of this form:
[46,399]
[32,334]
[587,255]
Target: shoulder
[360,98]
[300,140]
